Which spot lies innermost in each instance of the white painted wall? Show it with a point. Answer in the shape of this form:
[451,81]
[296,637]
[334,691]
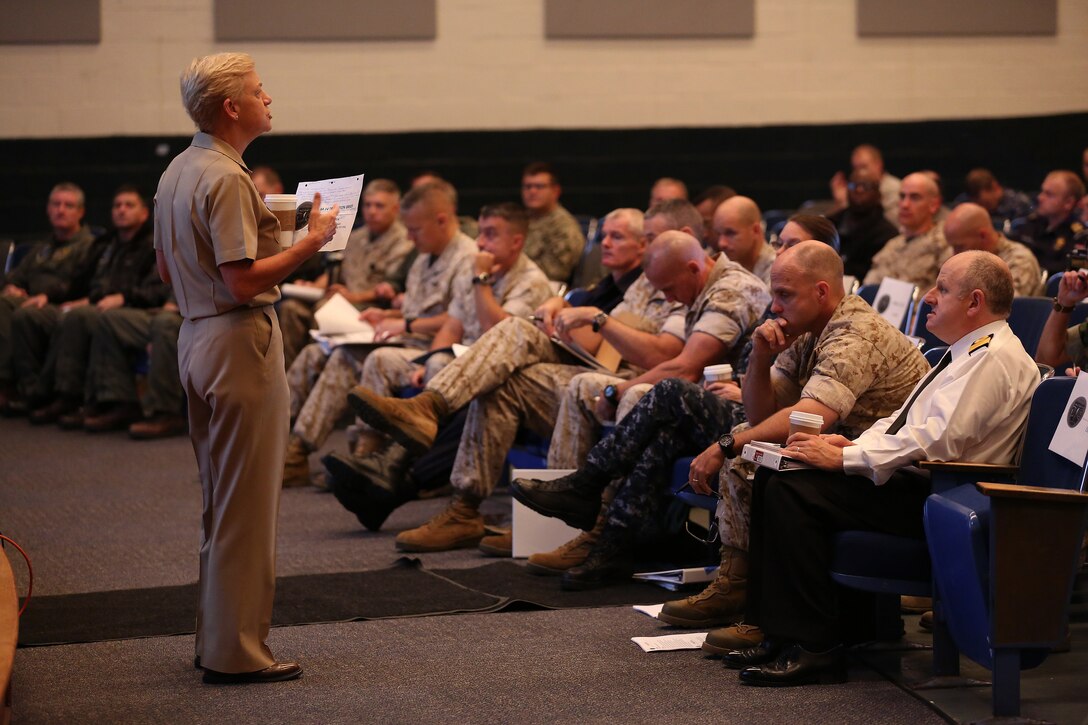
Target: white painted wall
[491,68]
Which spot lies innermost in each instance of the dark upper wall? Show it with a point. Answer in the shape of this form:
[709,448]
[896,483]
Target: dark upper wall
[779,167]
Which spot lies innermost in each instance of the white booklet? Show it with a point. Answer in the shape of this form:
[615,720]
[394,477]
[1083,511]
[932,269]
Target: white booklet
[1071,436]
[771,455]
[302,292]
[671,642]
[673,579]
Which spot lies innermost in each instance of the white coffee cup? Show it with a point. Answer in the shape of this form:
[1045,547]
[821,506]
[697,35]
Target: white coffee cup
[718,373]
[283,206]
[805,423]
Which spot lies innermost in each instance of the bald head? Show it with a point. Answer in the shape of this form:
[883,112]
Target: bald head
[673,248]
[741,209]
[816,262]
[968,227]
[677,265]
[919,201]
[740,235]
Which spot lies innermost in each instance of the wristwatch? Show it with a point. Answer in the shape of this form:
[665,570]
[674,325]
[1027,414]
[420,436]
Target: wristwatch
[598,321]
[408,324]
[482,278]
[726,444]
[611,394]
[1059,307]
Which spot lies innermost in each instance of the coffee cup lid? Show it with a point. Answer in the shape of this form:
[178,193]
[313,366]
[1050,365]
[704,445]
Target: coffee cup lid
[801,417]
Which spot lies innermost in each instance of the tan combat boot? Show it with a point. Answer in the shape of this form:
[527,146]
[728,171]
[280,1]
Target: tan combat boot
[412,422]
[569,555]
[728,639]
[296,468]
[458,527]
[499,544]
[368,443]
[721,603]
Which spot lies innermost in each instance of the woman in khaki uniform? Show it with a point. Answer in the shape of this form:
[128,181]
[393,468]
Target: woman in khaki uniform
[216,244]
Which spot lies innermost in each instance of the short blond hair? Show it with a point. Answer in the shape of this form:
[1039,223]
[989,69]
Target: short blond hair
[209,81]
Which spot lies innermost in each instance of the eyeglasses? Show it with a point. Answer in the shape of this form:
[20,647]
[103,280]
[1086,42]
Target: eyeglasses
[862,186]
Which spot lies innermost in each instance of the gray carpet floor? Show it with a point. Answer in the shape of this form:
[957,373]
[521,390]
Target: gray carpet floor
[99,513]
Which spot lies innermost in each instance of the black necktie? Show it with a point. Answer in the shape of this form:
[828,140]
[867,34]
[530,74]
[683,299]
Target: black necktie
[901,419]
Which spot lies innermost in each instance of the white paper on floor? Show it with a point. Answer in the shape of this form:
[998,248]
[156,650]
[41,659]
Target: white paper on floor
[650,610]
[669,642]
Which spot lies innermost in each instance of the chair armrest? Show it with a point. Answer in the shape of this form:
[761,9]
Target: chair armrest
[1032,493]
[967,467]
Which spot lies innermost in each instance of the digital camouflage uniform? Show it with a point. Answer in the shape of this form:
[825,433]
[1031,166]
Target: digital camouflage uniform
[320,383]
[366,263]
[519,291]
[555,242]
[728,308]
[513,375]
[1026,274]
[916,260]
[860,366]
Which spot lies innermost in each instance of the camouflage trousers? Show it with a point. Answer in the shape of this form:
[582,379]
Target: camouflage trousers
[735,500]
[578,426]
[512,376]
[674,419]
[320,385]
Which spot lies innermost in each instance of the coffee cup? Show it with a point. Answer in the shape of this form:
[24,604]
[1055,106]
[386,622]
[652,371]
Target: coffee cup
[718,373]
[283,206]
[805,423]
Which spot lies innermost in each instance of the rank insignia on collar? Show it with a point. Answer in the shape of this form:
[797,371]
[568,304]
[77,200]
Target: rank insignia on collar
[980,343]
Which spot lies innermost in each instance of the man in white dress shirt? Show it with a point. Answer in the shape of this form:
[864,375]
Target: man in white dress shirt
[973,406]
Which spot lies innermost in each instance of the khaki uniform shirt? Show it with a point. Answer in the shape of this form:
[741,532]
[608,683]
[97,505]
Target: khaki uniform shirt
[519,291]
[916,260]
[1027,277]
[859,366]
[208,213]
[728,308]
[369,262]
[555,242]
[646,309]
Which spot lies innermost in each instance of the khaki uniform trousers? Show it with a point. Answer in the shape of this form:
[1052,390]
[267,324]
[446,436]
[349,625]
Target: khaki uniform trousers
[577,425]
[231,367]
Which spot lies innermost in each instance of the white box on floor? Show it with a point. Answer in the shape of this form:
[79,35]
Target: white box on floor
[532,532]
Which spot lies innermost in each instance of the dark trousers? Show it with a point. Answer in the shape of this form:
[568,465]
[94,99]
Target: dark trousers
[795,515]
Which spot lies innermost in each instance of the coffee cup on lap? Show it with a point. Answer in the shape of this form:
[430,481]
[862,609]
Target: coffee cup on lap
[806,423]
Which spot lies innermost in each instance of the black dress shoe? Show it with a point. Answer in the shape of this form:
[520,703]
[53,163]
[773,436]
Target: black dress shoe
[117,417]
[279,672]
[48,414]
[362,487]
[572,499]
[764,652]
[798,666]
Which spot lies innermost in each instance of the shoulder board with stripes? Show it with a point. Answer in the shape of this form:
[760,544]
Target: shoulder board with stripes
[980,343]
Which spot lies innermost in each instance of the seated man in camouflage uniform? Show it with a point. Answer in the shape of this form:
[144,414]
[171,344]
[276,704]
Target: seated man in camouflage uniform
[917,254]
[372,272]
[835,357]
[371,488]
[501,283]
[555,239]
[319,382]
[122,273]
[968,227]
[41,282]
[739,229]
[680,270]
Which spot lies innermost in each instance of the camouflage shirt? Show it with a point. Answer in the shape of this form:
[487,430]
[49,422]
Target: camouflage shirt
[519,291]
[860,366]
[916,259]
[764,262]
[646,309]
[367,262]
[429,289]
[728,308]
[1026,275]
[555,242]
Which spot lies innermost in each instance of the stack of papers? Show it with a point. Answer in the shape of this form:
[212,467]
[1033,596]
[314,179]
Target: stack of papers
[673,579]
[338,324]
[771,455]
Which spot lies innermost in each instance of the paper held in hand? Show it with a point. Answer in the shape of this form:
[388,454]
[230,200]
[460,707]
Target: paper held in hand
[345,192]
[1071,436]
[771,455]
[338,324]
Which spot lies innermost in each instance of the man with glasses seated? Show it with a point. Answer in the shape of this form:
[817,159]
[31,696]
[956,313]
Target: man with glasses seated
[863,228]
[555,239]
